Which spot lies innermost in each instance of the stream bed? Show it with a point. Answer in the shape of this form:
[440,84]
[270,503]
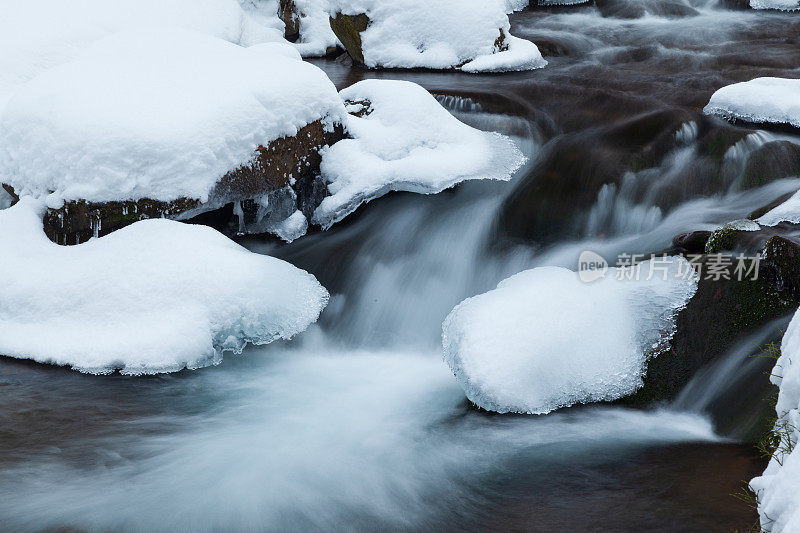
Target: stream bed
[358,424]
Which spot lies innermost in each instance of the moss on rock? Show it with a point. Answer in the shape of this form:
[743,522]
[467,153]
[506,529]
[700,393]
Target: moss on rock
[348,29]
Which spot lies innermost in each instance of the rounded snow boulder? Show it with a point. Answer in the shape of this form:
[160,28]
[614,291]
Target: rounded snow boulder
[545,339]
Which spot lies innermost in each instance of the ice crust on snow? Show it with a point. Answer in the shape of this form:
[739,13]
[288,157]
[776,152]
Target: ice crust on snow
[761,100]
[778,489]
[407,142]
[543,339]
[788,211]
[781,5]
[156,296]
[156,113]
[46,33]
[439,34]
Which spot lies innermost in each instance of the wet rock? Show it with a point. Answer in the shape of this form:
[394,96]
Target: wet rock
[287,11]
[279,165]
[547,204]
[761,211]
[782,253]
[723,310]
[348,29]
[773,161]
[693,242]
[553,47]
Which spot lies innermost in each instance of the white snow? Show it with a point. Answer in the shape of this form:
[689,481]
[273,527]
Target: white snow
[788,211]
[782,5]
[156,296]
[316,34]
[408,142]
[39,34]
[516,5]
[543,339]
[439,34]
[156,113]
[761,100]
[778,488]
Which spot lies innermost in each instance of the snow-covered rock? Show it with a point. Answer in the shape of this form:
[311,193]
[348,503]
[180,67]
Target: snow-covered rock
[441,34]
[159,114]
[788,211]
[156,296]
[780,5]
[405,140]
[778,489]
[544,339]
[39,34]
[761,100]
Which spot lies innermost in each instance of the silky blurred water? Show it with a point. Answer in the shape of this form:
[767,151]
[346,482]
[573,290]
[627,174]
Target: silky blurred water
[358,424]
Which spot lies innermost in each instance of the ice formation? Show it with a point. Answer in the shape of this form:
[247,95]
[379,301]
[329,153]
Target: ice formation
[543,339]
[778,489]
[781,5]
[440,34]
[761,100]
[156,296]
[406,141]
[156,113]
[788,211]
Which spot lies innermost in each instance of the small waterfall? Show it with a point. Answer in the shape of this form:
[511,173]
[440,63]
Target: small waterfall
[734,390]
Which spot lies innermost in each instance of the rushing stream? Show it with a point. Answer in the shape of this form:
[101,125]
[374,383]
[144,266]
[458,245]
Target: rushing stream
[358,423]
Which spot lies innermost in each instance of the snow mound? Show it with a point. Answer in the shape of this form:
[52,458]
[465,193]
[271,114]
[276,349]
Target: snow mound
[761,100]
[439,34]
[543,339]
[781,5]
[516,5]
[156,113]
[156,296]
[779,487]
[788,211]
[46,33]
[406,142]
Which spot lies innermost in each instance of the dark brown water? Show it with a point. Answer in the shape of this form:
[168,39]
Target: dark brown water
[359,425]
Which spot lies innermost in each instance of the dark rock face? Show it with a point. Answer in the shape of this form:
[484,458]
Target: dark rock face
[721,312]
[287,12]
[283,162]
[348,29]
[693,242]
[546,204]
[773,161]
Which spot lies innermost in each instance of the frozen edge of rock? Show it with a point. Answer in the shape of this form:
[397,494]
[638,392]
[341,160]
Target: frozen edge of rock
[758,101]
[404,140]
[136,302]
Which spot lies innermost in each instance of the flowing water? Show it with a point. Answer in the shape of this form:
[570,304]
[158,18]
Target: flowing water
[358,424]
